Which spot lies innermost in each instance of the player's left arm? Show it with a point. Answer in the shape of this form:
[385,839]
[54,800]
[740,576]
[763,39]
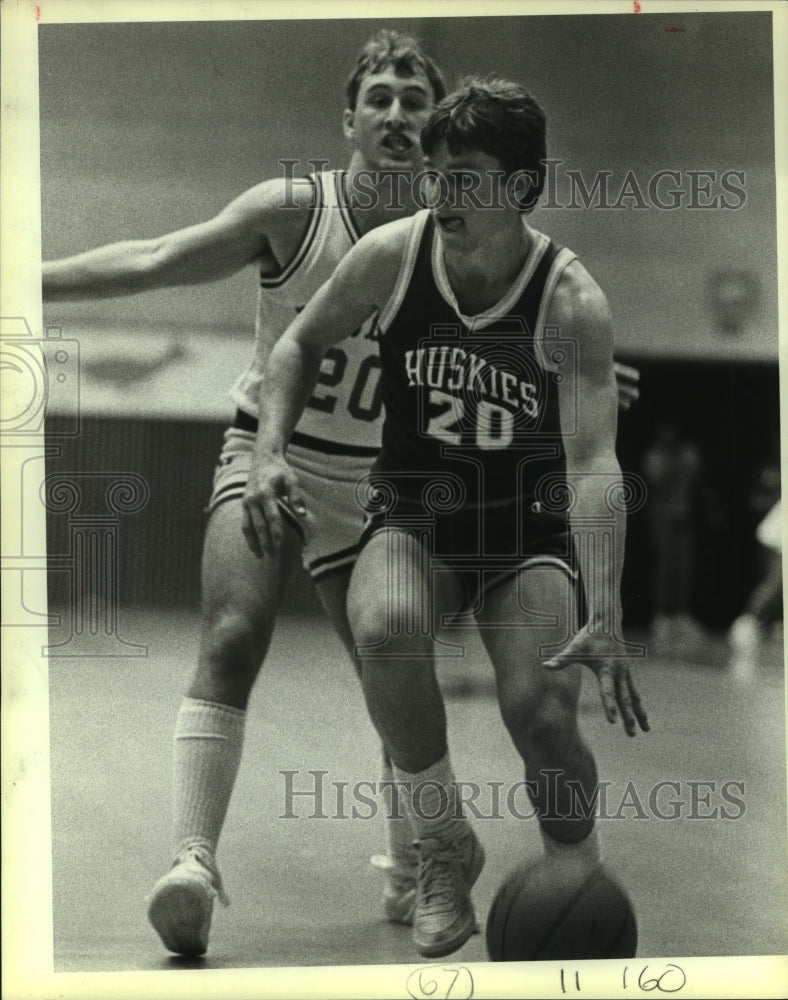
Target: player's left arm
[588,398]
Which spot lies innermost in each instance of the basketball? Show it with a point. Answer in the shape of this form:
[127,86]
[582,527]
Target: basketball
[546,911]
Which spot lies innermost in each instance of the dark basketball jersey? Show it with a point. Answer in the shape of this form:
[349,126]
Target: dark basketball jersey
[471,401]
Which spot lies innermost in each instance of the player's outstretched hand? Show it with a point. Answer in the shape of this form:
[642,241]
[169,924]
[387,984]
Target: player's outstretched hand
[272,489]
[616,687]
[628,385]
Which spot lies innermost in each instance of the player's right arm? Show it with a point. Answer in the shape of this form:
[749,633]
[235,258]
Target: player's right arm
[253,227]
[361,285]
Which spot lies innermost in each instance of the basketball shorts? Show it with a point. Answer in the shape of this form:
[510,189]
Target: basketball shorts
[328,483]
[485,546]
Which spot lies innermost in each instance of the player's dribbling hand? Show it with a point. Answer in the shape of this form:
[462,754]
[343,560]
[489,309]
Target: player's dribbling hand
[272,486]
[616,687]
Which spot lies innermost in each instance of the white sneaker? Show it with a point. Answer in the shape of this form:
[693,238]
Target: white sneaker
[181,904]
[444,917]
[399,891]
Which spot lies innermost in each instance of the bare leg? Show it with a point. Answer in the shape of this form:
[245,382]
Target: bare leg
[332,591]
[400,863]
[747,634]
[394,599]
[241,596]
[240,601]
[539,707]
[392,626]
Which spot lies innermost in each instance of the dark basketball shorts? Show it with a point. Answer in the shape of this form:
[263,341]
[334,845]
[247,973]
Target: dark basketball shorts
[485,546]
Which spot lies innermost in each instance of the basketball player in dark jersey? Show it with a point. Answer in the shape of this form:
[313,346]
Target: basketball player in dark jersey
[497,469]
[390,93]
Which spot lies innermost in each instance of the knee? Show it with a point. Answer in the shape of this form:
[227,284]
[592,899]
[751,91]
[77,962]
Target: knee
[540,720]
[233,642]
[380,620]
[366,617]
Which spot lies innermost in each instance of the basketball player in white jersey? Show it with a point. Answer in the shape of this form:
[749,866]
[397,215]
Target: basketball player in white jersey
[389,96]
[489,428]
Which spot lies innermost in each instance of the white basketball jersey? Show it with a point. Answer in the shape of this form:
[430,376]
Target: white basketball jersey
[345,411]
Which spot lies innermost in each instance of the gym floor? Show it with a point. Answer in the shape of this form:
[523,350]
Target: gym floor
[302,890]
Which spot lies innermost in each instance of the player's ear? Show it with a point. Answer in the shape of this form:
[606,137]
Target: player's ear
[349,123]
[524,181]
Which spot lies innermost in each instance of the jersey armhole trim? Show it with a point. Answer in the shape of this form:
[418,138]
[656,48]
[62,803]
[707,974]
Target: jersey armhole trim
[307,240]
[411,252]
[340,192]
[563,259]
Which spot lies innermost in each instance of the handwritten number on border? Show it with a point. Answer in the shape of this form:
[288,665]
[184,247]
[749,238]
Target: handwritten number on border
[441,982]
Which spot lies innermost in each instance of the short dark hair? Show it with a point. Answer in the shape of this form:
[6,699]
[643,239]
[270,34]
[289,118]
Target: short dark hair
[403,53]
[499,118]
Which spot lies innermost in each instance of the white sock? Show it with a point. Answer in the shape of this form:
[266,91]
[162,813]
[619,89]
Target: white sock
[430,800]
[206,756]
[586,850]
[398,825]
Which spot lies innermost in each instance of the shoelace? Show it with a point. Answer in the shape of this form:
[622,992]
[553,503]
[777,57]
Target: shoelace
[209,865]
[437,883]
